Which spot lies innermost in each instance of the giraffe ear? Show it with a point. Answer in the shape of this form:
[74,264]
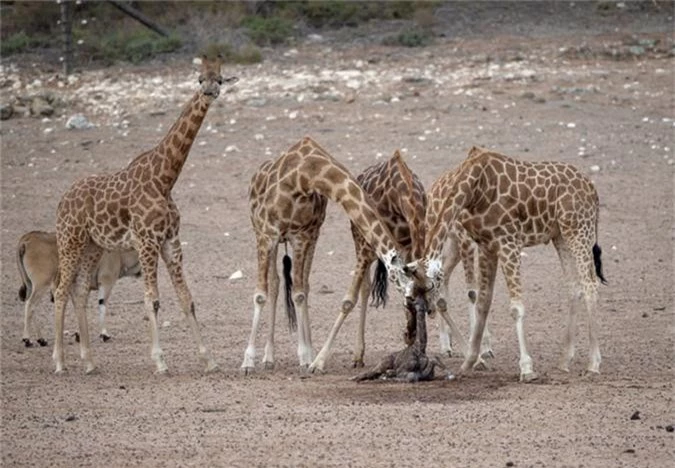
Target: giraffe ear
[410,269]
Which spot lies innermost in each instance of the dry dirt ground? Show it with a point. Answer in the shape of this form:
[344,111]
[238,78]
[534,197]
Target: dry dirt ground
[573,93]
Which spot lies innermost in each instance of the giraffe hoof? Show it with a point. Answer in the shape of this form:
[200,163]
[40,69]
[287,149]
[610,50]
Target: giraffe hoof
[269,365]
[104,337]
[163,371]
[564,368]
[27,343]
[358,363]
[488,354]
[91,369]
[77,336]
[42,342]
[591,374]
[480,365]
[247,370]
[529,377]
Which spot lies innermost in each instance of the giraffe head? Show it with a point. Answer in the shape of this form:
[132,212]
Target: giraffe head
[210,79]
[424,279]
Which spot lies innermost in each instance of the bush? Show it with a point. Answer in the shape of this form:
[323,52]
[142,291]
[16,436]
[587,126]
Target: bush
[133,47]
[268,31]
[246,55]
[414,37]
[14,44]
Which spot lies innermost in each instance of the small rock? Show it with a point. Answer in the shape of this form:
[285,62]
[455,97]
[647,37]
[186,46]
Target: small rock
[79,122]
[40,106]
[527,95]
[6,111]
[595,168]
[670,427]
[325,290]
[237,275]
[635,416]
[510,463]
[231,148]
[256,102]
[71,417]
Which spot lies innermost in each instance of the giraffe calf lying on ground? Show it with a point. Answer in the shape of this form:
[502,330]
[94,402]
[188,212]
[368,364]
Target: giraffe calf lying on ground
[37,259]
[410,364]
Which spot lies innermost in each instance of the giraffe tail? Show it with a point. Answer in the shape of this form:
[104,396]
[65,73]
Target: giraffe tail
[288,287]
[378,292]
[597,252]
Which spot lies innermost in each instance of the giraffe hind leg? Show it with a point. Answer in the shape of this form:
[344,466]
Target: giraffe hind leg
[173,258]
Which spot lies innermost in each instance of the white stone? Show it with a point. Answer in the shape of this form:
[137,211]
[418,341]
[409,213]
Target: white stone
[237,275]
[595,168]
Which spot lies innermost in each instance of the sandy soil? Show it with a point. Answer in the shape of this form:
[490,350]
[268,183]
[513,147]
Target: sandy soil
[524,90]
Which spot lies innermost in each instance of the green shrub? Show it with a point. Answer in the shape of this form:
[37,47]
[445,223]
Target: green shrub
[413,37]
[14,44]
[268,31]
[133,47]
[246,55]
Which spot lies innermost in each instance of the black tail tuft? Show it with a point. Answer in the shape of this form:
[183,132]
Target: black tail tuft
[597,252]
[290,305]
[22,293]
[378,292]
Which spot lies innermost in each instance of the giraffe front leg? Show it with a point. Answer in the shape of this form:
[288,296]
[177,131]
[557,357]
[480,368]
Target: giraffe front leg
[511,269]
[173,258]
[103,295]
[488,269]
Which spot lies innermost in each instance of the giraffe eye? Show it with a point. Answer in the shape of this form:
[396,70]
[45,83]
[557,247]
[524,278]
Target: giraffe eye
[201,79]
[219,80]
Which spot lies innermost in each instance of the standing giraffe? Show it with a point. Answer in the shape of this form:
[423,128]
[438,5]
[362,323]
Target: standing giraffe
[132,208]
[506,205]
[288,199]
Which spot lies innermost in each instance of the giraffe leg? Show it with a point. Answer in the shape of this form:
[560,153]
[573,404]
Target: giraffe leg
[90,259]
[488,268]
[268,358]
[103,295]
[568,264]
[348,304]
[448,329]
[510,260]
[173,258]
[70,253]
[302,250]
[264,247]
[588,285]
[360,346]
[148,256]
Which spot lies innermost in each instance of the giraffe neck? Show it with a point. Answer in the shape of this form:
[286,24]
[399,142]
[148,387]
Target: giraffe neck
[317,171]
[438,230]
[170,154]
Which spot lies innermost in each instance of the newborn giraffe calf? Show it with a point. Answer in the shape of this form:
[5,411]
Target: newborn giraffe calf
[410,364]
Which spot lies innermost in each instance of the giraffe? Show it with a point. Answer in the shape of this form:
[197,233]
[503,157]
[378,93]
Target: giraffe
[288,198]
[399,198]
[505,205]
[132,208]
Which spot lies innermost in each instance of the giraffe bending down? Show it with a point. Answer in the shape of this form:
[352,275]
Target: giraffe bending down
[132,208]
[398,196]
[288,198]
[506,205]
